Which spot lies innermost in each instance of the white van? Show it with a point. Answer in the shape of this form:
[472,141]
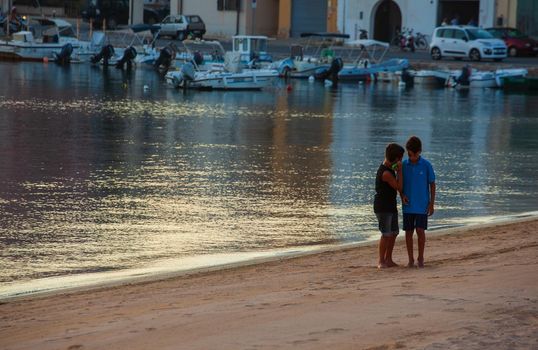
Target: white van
[466,41]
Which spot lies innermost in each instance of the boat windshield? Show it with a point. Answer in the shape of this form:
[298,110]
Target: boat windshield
[67,32]
[259,45]
[477,33]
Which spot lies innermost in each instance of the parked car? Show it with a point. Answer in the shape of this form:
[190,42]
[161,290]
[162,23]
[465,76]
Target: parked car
[518,43]
[466,42]
[116,12]
[181,26]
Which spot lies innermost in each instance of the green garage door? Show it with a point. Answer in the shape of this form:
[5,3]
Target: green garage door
[308,16]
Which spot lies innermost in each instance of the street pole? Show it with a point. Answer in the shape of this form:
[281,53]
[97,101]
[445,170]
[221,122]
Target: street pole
[253,16]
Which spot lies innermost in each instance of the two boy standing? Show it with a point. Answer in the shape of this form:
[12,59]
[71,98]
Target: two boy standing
[414,179]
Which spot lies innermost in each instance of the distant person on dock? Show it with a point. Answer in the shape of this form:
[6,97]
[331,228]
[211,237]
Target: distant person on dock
[455,21]
[419,194]
[387,183]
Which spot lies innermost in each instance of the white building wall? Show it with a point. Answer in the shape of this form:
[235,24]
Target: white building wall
[218,23]
[420,15]
[486,16]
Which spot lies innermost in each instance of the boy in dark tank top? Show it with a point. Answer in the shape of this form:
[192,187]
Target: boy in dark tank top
[388,183]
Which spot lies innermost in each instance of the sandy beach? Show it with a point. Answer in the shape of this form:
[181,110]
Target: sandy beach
[479,290]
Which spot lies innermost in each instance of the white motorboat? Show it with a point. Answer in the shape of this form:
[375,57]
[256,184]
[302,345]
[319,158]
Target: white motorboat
[58,41]
[431,77]
[299,65]
[483,80]
[231,76]
[500,74]
[252,50]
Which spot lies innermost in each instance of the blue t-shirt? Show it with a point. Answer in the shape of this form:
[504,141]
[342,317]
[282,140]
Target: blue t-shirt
[416,185]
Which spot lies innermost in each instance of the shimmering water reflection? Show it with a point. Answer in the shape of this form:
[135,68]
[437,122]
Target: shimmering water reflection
[100,174]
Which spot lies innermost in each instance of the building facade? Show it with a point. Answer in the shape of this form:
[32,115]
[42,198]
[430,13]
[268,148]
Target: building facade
[275,18]
[382,18]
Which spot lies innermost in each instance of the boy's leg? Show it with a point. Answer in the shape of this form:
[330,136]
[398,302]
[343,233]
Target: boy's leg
[383,243]
[422,226]
[421,244]
[390,247]
[409,245]
[409,227]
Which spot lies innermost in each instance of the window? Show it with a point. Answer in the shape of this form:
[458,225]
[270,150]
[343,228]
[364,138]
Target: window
[478,34]
[447,33]
[460,34]
[228,5]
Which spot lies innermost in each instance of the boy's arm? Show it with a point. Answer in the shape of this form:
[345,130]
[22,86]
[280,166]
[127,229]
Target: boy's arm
[396,183]
[432,199]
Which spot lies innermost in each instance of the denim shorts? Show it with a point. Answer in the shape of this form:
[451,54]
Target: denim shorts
[412,221]
[388,224]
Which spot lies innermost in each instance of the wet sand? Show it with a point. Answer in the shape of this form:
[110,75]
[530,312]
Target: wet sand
[479,290]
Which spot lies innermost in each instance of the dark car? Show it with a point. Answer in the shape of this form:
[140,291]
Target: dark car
[116,12]
[517,42]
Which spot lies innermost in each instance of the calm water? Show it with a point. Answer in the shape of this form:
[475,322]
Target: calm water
[98,173]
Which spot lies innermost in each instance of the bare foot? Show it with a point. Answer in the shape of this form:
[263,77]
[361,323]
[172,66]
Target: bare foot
[420,263]
[391,264]
[411,264]
[382,266]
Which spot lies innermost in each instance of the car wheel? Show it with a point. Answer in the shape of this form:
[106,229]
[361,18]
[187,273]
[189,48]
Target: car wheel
[512,52]
[474,55]
[436,53]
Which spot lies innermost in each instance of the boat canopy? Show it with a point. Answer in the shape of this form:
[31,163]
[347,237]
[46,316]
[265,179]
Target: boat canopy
[60,23]
[137,28]
[325,35]
[367,43]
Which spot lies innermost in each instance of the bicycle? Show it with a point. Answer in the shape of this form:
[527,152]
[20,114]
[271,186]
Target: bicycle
[421,41]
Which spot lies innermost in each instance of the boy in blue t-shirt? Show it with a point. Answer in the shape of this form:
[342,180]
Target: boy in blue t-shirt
[418,198]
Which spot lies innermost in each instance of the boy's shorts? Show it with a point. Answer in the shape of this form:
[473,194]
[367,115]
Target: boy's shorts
[412,221]
[388,224]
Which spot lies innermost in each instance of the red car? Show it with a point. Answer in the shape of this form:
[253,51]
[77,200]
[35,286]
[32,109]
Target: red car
[518,43]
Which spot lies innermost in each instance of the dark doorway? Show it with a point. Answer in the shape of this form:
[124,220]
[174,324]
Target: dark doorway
[388,19]
[466,11]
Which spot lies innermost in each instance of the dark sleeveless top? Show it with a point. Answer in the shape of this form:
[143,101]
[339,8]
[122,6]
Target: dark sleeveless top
[385,196]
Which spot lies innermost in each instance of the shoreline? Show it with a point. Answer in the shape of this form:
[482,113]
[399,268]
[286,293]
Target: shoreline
[477,291]
[45,287]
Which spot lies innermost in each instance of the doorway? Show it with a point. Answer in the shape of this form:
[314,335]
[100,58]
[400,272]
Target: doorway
[387,19]
[461,11]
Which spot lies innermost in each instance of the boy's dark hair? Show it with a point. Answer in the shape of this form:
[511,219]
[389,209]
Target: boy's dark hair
[414,144]
[393,152]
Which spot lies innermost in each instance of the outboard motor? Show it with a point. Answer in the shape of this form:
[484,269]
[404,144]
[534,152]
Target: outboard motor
[464,78]
[336,66]
[105,54]
[330,73]
[198,58]
[128,56]
[407,78]
[64,57]
[165,58]
[187,74]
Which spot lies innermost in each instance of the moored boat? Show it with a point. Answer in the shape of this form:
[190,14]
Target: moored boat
[369,62]
[58,41]
[520,83]
[300,65]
